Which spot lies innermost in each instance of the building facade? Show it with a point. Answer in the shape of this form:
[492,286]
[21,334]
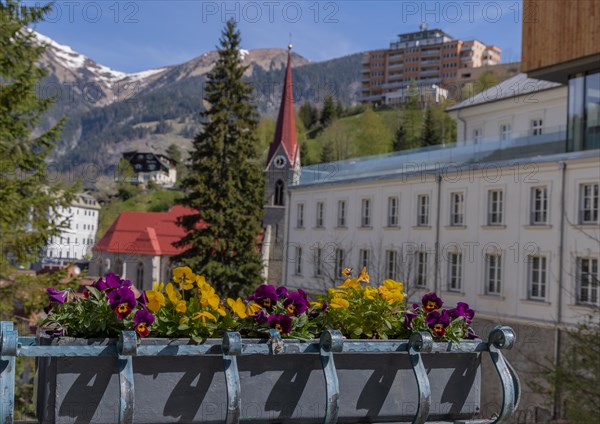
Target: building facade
[427,57]
[78,234]
[152,167]
[506,220]
[139,246]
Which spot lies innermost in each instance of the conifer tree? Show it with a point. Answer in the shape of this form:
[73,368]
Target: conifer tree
[399,139]
[327,153]
[225,182]
[328,113]
[30,200]
[430,135]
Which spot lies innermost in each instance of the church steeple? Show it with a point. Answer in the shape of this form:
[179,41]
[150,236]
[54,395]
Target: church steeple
[285,131]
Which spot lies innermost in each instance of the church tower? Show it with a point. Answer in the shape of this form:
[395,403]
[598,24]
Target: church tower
[282,170]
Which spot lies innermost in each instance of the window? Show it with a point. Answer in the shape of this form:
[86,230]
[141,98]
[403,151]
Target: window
[587,281]
[391,264]
[320,214]
[392,220]
[298,265]
[584,111]
[505,130]
[365,219]
[278,197]
[454,271]
[341,215]
[588,204]
[537,277]
[536,126]
[423,210]
[300,216]
[364,258]
[493,274]
[495,207]
[318,261]
[339,263]
[139,276]
[119,267]
[456,209]
[539,206]
[477,135]
[421,269]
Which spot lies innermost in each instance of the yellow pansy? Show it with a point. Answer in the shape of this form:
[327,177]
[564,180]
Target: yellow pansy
[370,293]
[208,297]
[181,306]
[252,309]
[316,305]
[347,272]
[350,283]
[364,277]
[183,320]
[339,303]
[184,276]
[238,306]
[204,315]
[201,281]
[221,310]
[393,285]
[155,297]
[173,294]
[337,293]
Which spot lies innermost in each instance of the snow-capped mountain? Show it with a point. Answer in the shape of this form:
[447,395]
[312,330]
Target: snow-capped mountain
[110,111]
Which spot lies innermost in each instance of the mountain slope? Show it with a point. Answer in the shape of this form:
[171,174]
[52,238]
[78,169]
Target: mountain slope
[110,112]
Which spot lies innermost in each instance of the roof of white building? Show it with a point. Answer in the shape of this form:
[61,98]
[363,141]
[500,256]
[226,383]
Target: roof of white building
[519,85]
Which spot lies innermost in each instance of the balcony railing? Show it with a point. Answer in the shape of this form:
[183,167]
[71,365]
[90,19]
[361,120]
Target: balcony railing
[430,52]
[397,67]
[430,62]
[430,72]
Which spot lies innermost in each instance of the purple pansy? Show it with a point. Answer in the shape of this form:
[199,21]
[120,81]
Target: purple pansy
[438,322]
[260,317]
[265,295]
[281,323]
[408,317]
[462,310]
[282,292]
[100,284]
[56,297]
[142,320]
[296,303]
[122,301]
[471,334]
[431,302]
[142,300]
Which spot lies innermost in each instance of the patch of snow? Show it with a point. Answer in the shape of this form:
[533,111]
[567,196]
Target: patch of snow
[243,53]
[145,74]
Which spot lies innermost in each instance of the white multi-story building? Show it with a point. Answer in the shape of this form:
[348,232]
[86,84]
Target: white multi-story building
[78,235]
[506,219]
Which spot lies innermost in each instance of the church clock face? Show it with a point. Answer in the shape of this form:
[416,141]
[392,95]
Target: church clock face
[279,161]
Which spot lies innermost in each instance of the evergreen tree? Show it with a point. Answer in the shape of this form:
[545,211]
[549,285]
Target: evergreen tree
[430,135]
[304,154]
[399,139]
[339,108]
[327,153]
[328,113]
[30,201]
[225,183]
[308,115]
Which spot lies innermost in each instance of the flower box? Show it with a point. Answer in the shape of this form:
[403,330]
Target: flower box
[87,381]
[353,375]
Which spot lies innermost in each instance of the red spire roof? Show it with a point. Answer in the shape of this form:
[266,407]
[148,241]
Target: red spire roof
[285,132]
[145,233]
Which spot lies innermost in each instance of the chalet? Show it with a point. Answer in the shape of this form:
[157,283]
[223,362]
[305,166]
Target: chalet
[154,167]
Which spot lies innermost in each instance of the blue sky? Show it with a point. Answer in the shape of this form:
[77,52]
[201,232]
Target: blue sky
[131,36]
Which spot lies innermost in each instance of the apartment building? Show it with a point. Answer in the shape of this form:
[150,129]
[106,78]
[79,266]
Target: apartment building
[428,57]
[78,233]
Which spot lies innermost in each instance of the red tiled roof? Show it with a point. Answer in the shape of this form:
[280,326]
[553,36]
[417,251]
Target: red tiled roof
[285,131]
[146,233]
